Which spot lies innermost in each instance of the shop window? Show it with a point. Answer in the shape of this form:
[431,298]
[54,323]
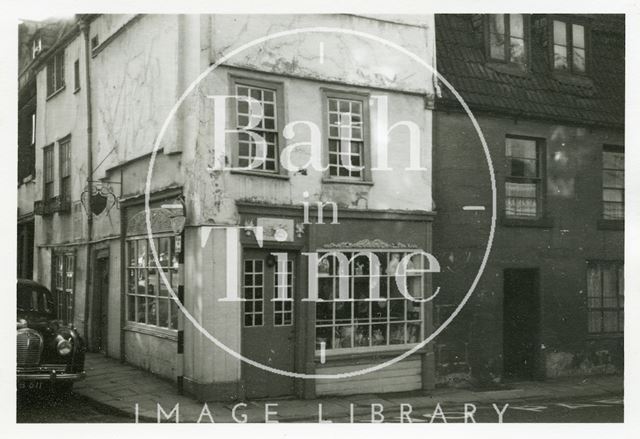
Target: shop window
[569,47]
[149,301]
[605,297]
[346,115]
[253,292]
[283,309]
[55,73]
[64,156]
[361,324]
[47,170]
[260,156]
[63,286]
[523,185]
[507,41]
[613,183]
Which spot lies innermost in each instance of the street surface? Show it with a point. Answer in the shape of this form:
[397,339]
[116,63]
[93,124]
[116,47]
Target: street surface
[39,407]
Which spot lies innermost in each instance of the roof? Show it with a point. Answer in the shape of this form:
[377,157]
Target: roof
[597,99]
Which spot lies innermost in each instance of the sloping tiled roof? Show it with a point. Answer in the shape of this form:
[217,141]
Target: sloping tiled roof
[538,93]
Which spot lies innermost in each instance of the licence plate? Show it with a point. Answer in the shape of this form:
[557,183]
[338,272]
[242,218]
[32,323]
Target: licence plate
[30,385]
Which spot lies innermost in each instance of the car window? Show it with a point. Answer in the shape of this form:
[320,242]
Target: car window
[34,299]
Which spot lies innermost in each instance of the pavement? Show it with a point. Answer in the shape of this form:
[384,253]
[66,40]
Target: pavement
[140,396]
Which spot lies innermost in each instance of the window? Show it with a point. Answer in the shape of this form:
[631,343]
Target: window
[253,292]
[76,75]
[363,324]
[55,73]
[33,128]
[63,285]
[507,38]
[523,185]
[346,117]
[48,173]
[95,42]
[283,309]
[605,296]
[36,47]
[148,299]
[64,154]
[613,183]
[569,48]
[261,157]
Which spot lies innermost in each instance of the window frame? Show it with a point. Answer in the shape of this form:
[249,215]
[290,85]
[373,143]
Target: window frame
[617,149]
[332,351]
[61,290]
[172,327]
[526,37]
[48,172]
[363,97]
[64,175]
[569,22]
[277,87]
[617,265]
[55,73]
[540,179]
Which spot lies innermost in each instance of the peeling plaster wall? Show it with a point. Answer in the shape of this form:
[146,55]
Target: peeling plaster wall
[573,201]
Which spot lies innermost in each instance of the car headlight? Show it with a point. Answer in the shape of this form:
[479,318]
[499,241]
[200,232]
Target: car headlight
[64,346]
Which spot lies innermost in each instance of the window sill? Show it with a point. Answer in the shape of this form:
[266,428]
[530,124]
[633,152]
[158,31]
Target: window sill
[581,80]
[141,328]
[604,335]
[261,174]
[76,90]
[367,354]
[508,68]
[56,93]
[541,223]
[328,180]
[609,224]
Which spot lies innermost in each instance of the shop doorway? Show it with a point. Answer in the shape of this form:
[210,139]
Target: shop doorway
[521,323]
[100,302]
[267,326]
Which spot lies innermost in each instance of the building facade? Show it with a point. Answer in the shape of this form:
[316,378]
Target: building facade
[105,89]
[548,94]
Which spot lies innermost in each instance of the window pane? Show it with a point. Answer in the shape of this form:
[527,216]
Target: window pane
[613,210]
[517,51]
[610,321]
[613,160]
[559,33]
[578,36]
[578,60]
[496,42]
[560,57]
[521,199]
[595,321]
[496,23]
[613,179]
[517,25]
[613,195]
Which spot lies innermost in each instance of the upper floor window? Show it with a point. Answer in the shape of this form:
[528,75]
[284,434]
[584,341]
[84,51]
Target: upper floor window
[76,75]
[264,122]
[523,185]
[613,183]
[346,135]
[507,42]
[55,73]
[64,155]
[569,47]
[47,169]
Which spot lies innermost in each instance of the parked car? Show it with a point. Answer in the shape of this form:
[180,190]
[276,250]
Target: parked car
[49,352]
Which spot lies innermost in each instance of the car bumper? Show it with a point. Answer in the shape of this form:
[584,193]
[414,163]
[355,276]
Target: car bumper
[51,376]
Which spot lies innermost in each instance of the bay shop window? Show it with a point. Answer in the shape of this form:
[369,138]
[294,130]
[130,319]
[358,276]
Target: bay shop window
[363,324]
[148,299]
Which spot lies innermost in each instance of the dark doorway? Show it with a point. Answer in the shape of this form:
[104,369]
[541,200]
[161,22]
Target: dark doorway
[268,326]
[521,323]
[100,302]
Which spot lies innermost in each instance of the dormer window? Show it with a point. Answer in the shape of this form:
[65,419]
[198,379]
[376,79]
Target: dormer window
[507,42]
[569,47]
[36,47]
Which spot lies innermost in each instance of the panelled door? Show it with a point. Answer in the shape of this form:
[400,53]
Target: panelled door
[267,325]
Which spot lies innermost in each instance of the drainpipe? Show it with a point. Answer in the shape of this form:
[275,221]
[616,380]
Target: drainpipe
[84,28]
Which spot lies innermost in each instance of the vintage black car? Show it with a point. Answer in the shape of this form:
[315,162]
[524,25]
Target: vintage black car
[50,354]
